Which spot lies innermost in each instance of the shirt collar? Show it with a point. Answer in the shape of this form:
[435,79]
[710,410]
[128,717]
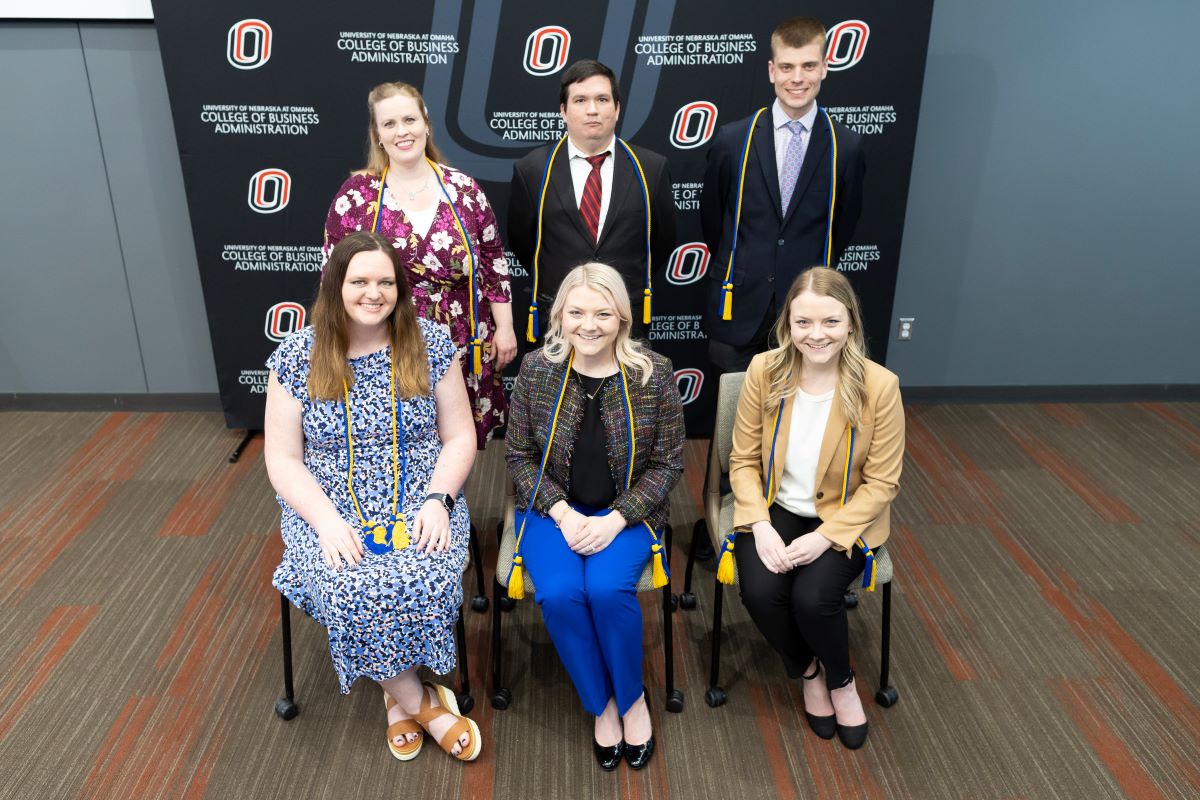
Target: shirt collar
[575,152]
[779,117]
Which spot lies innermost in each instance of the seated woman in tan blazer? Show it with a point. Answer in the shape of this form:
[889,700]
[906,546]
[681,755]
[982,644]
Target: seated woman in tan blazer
[817,450]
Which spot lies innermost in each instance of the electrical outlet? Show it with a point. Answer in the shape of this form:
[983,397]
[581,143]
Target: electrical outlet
[905,330]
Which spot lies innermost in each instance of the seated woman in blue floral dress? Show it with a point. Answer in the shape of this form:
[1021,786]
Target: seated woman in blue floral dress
[369,439]
[595,438]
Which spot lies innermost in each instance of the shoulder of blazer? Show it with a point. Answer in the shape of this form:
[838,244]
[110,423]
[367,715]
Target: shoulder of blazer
[651,161]
[535,160]
[880,380]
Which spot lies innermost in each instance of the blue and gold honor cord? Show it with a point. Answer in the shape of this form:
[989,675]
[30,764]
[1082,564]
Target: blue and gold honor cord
[469,268]
[727,284]
[532,327]
[516,576]
[381,537]
[725,562]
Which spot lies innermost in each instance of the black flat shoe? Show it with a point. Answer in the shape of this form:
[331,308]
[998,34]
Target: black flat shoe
[638,755]
[853,736]
[825,727]
[607,757]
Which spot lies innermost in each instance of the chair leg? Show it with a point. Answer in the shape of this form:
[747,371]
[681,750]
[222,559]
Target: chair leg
[715,695]
[479,603]
[465,701]
[674,696]
[887,695]
[286,706]
[687,600]
[501,696]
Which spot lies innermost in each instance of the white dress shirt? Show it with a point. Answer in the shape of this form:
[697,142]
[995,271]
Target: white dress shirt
[580,169]
[783,136]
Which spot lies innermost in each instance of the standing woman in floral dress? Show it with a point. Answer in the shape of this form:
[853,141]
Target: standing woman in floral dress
[443,227]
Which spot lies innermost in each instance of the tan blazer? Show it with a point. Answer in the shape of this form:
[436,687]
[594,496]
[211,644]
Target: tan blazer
[874,471]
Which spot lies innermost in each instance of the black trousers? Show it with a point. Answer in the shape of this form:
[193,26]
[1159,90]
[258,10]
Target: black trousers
[802,613]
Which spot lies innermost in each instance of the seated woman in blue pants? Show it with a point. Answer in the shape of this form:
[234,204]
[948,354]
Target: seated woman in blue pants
[592,499]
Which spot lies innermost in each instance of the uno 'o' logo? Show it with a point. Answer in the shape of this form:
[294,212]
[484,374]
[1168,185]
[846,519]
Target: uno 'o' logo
[546,50]
[270,190]
[847,44]
[283,319]
[694,124]
[688,263]
[689,381]
[248,44]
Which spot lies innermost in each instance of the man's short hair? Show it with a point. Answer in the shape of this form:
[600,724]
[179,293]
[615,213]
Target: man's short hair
[797,32]
[582,70]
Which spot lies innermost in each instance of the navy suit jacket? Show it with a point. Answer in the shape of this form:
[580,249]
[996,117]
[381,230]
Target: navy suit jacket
[772,249]
[566,242]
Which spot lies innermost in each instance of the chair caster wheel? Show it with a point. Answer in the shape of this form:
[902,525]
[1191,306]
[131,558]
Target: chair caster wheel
[465,703]
[286,709]
[675,701]
[715,696]
[479,604]
[887,696]
[851,600]
[507,603]
[501,698]
[687,600]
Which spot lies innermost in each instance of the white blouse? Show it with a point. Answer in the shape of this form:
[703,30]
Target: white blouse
[798,485]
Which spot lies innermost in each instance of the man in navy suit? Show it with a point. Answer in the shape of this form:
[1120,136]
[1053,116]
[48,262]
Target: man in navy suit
[785,209]
[594,209]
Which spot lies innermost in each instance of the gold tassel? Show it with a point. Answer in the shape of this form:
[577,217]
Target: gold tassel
[646,308]
[516,580]
[659,577]
[477,356]
[531,325]
[725,568]
[400,539]
[727,305]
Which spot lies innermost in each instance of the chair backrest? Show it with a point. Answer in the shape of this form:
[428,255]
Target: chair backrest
[728,392]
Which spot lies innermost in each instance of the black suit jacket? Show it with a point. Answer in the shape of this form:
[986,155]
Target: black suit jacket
[772,249]
[565,241]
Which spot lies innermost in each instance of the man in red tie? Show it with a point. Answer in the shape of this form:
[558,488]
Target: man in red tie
[593,207]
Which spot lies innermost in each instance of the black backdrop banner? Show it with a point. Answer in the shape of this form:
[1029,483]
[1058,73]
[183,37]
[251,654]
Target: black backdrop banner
[269,104]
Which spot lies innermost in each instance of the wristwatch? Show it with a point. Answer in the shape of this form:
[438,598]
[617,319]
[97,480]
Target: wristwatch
[446,500]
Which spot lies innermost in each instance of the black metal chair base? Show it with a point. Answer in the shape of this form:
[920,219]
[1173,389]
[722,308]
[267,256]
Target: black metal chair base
[502,695]
[286,707]
[886,696]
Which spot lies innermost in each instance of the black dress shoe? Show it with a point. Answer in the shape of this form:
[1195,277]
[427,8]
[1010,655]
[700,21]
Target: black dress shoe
[826,726]
[607,757]
[638,755]
[853,736]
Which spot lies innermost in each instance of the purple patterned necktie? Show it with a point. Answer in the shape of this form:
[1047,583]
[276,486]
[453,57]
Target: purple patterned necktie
[792,159]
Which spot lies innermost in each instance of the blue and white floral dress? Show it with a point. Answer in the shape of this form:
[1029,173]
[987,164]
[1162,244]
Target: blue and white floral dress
[392,611]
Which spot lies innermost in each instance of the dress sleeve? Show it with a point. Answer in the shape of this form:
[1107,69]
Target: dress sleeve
[440,349]
[493,266]
[290,362]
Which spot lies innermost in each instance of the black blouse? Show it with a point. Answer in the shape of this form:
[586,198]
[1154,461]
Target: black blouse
[591,479]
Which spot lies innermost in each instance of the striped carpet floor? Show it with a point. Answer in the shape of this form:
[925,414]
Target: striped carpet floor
[1044,643]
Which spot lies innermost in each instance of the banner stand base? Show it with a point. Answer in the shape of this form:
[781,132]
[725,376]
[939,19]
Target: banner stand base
[237,451]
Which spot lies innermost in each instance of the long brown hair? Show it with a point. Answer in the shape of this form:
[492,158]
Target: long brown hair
[785,361]
[377,158]
[331,340]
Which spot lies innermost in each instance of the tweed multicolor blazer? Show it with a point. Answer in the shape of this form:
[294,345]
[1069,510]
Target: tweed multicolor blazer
[658,431]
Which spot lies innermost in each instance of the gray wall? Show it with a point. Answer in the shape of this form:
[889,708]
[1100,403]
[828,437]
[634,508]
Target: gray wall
[1048,237]
[99,290]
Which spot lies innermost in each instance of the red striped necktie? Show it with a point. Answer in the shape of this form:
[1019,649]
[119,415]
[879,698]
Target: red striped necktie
[589,204]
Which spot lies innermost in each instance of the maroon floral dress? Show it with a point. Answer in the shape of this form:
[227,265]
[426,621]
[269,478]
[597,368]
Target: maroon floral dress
[435,270]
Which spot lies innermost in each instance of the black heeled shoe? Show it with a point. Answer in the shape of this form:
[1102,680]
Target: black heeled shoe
[608,757]
[852,736]
[638,755]
[827,726]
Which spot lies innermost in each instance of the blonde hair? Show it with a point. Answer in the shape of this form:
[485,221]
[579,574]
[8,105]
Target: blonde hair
[784,361]
[608,282]
[377,158]
[331,338]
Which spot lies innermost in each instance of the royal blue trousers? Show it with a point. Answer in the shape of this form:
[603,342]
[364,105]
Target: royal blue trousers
[590,607]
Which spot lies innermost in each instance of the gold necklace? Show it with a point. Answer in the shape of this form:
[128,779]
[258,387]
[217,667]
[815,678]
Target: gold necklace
[583,386]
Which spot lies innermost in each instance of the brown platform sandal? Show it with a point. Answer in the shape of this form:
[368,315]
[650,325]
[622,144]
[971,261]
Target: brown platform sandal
[449,705]
[409,750]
